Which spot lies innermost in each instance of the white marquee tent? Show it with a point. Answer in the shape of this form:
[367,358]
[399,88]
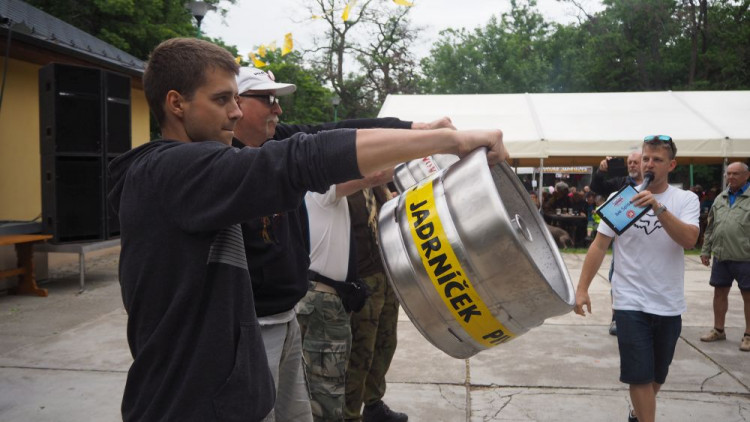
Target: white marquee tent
[582,128]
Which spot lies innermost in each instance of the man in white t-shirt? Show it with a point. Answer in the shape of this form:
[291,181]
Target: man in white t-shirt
[322,316]
[648,277]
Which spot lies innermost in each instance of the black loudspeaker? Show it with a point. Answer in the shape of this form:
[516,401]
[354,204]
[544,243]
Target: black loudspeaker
[72,203]
[85,121]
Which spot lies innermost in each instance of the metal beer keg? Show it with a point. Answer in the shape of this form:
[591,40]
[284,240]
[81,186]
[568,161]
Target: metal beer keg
[471,259]
[406,175]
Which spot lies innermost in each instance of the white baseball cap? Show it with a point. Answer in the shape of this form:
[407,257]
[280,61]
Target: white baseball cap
[253,79]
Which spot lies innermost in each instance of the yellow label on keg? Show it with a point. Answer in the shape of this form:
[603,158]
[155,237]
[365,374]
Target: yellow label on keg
[444,269]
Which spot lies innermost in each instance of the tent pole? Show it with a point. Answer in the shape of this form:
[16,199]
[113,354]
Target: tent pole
[724,173]
[691,176]
[541,178]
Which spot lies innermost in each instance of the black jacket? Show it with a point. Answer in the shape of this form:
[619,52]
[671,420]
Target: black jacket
[604,187]
[192,327]
[278,246]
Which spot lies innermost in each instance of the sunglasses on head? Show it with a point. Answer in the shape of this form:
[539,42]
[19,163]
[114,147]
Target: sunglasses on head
[271,99]
[652,138]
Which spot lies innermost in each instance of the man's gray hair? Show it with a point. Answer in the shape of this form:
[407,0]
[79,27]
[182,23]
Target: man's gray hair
[741,164]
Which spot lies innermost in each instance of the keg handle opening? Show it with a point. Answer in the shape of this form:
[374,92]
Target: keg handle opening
[521,227]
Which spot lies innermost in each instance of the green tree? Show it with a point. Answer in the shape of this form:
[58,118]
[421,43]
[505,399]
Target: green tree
[722,59]
[638,45]
[134,26]
[365,57]
[506,55]
[311,102]
[387,61]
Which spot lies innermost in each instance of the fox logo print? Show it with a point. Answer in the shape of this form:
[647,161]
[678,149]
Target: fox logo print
[649,223]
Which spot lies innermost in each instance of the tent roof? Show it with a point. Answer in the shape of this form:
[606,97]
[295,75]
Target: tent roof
[581,128]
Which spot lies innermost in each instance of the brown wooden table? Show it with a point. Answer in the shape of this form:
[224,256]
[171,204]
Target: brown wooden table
[568,222]
[24,244]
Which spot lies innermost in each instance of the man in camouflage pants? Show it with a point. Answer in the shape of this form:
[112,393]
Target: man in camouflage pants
[326,345]
[374,326]
[323,317]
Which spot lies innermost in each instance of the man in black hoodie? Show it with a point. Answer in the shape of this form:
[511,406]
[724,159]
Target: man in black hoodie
[192,326]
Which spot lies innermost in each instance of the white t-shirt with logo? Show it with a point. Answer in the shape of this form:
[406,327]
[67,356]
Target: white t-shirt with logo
[649,267]
[329,233]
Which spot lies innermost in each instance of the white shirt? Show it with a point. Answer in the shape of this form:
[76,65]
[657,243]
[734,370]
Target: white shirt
[329,233]
[649,267]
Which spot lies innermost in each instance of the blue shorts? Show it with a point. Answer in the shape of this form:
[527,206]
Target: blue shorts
[724,272]
[647,343]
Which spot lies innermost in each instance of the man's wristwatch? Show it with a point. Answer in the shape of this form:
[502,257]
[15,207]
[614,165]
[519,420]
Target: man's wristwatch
[660,209]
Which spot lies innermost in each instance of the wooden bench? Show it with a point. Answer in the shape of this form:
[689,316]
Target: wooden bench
[24,244]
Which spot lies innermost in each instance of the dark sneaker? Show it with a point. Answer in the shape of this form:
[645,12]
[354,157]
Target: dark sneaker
[613,328]
[380,412]
[631,416]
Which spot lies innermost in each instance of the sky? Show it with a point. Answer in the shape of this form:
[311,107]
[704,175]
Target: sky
[250,23]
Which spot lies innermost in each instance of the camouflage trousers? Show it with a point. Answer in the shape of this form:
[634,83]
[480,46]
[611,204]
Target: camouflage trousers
[326,344]
[373,346]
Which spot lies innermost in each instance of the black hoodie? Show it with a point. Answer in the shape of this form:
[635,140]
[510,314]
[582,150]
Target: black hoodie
[192,328]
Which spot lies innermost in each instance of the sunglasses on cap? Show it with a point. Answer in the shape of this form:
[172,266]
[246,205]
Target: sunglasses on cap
[654,138]
[271,99]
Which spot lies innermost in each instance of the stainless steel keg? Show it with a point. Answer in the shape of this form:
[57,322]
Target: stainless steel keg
[408,174]
[471,259]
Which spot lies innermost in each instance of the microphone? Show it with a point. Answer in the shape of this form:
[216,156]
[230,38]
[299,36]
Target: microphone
[648,177]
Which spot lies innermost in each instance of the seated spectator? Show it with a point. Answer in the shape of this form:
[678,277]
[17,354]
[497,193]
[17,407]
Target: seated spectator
[558,199]
[534,199]
[578,204]
[545,197]
[698,190]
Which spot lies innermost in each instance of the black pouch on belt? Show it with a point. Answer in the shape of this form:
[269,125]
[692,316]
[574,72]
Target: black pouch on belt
[353,294]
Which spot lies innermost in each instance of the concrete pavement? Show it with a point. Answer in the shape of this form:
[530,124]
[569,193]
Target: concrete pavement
[65,358]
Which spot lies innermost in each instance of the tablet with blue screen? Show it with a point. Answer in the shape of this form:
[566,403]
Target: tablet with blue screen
[619,213]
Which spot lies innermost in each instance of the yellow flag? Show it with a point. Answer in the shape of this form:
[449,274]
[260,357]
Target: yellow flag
[256,61]
[313,17]
[288,44]
[262,51]
[347,9]
[238,59]
[404,3]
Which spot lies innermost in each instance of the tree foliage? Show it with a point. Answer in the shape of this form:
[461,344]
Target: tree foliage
[632,45]
[374,42]
[134,26]
[507,55]
[311,102]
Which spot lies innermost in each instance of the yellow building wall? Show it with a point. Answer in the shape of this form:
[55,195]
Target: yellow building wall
[20,161]
[139,118]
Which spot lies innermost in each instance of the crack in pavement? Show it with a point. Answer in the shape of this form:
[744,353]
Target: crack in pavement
[709,378]
[697,349]
[740,412]
[510,398]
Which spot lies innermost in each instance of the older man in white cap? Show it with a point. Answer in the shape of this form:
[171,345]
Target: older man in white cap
[259,94]
[278,246]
